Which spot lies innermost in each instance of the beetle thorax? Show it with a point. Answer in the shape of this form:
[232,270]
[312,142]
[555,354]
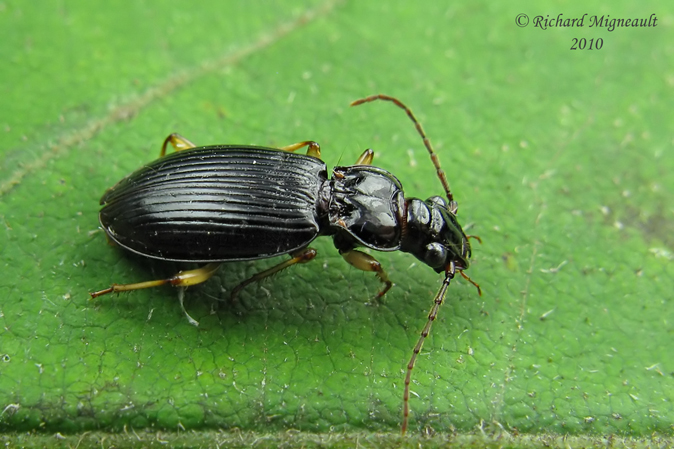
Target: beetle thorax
[366,208]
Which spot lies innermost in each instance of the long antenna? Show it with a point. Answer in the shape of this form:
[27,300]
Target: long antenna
[432,315]
[427,143]
[451,268]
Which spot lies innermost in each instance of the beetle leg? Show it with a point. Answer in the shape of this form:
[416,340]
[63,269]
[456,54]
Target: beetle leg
[313,148]
[365,262]
[182,279]
[299,256]
[365,158]
[178,142]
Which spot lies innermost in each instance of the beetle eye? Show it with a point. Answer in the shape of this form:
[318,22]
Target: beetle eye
[435,255]
[438,201]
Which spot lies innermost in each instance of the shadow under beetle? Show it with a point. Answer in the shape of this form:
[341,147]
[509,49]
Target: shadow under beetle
[226,203]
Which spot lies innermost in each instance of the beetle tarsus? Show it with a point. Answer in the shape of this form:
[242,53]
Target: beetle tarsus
[365,262]
[300,256]
[102,292]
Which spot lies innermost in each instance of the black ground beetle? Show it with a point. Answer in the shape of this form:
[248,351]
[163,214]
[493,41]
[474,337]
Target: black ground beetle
[226,203]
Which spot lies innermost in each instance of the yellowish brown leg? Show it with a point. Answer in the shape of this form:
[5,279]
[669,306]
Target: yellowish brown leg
[300,256]
[366,157]
[365,262]
[179,143]
[313,148]
[182,279]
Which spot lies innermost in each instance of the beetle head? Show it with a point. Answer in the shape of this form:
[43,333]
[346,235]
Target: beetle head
[434,236]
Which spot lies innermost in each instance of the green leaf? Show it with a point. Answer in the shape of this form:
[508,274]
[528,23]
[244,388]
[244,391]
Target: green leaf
[561,161]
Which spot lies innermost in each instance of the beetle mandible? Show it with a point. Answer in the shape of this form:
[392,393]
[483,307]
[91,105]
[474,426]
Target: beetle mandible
[225,203]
